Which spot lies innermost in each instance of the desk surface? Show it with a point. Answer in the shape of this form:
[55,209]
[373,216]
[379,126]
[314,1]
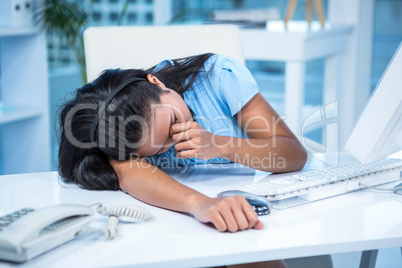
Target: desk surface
[357,221]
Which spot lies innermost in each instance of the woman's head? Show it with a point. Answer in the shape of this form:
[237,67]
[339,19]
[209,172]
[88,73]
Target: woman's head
[136,120]
[170,109]
[85,162]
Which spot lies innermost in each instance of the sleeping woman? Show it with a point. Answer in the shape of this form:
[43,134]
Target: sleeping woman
[120,131]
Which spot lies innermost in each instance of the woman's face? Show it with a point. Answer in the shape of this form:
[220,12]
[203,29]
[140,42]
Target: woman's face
[172,109]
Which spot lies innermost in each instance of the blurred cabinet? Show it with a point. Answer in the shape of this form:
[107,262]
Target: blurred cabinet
[295,46]
[24,110]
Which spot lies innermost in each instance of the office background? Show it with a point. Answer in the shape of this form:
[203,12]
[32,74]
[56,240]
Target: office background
[64,75]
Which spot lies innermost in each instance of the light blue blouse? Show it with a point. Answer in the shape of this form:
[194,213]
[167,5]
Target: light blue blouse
[222,88]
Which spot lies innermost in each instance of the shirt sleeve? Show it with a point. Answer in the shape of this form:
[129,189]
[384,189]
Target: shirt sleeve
[237,85]
[162,65]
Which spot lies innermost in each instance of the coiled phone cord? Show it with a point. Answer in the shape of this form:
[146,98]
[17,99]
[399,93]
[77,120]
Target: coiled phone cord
[127,213]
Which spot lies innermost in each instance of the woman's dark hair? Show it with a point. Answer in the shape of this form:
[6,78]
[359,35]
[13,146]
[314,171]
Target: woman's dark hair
[87,164]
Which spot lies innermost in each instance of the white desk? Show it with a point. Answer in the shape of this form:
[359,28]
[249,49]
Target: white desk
[362,220]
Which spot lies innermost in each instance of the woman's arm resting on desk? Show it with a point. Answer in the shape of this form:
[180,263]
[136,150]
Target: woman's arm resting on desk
[272,145]
[151,185]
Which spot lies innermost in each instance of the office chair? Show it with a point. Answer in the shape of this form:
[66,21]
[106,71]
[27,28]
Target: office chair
[145,46]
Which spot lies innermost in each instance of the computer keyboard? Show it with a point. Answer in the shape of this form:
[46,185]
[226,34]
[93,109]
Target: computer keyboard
[318,184]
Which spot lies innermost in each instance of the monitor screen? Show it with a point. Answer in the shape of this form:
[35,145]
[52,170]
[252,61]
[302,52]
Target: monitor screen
[378,132]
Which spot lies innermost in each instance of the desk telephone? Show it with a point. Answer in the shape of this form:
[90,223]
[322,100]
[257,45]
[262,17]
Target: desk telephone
[27,233]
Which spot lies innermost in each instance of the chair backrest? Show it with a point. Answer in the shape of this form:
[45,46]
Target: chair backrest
[144,46]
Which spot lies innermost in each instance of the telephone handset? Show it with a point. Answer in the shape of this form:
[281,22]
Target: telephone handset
[27,233]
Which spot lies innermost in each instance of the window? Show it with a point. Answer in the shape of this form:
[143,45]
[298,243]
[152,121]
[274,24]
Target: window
[131,16]
[113,16]
[149,17]
[96,16]
[66,60]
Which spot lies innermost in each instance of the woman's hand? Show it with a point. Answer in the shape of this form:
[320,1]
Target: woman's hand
[194,141]
[227,213]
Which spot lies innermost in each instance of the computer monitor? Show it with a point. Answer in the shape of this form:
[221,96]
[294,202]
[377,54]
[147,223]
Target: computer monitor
[378,133]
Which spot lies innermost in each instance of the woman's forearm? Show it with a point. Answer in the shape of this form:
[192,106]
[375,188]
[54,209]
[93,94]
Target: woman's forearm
[153,186]
[274,154]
